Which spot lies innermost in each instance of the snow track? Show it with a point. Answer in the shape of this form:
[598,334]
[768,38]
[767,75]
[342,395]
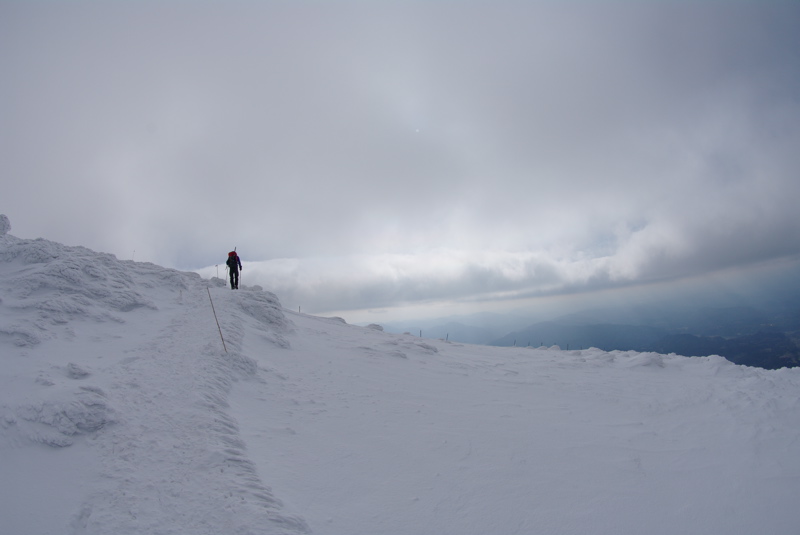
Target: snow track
[173,391]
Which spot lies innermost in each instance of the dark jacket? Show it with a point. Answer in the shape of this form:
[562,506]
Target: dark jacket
[234,262]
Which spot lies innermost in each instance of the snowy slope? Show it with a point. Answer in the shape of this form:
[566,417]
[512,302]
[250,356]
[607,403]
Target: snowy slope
[120,412]
[114,389]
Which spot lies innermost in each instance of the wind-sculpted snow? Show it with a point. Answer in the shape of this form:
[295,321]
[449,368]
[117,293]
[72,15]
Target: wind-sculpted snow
[121,411]
[50,284]
[56,422]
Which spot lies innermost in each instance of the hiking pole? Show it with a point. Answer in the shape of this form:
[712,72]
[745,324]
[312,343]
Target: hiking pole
[215,319]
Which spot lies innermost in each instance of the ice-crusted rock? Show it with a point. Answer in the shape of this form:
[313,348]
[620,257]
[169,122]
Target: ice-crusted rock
[5,225]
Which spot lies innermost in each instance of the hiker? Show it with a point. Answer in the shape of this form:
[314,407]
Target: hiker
[234,265]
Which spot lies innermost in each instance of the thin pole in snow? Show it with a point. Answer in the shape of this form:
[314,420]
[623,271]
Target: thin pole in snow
[215,318]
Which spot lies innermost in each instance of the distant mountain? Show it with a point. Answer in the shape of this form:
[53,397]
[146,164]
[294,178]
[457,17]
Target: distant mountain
[762,332]
[770,350]
[765,349]
[701,321]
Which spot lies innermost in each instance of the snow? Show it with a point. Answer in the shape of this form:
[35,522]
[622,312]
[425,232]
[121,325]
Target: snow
[120,412]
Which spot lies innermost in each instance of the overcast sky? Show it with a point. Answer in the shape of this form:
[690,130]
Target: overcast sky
[379,154]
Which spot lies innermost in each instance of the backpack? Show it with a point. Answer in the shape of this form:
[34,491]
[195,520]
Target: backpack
[231,259]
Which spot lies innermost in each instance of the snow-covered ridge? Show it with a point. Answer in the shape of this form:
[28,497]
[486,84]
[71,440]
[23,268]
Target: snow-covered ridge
[124,360]
[121,412]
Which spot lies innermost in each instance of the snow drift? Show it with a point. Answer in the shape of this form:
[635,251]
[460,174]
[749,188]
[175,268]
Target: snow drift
[120,412]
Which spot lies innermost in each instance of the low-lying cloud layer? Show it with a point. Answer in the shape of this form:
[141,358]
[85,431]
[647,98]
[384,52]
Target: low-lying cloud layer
[378,154]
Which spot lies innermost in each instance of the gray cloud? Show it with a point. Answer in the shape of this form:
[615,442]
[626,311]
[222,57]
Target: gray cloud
[483,149]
